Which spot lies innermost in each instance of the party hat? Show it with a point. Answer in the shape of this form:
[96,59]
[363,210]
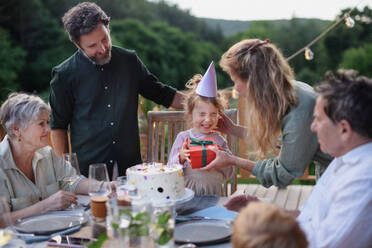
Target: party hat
[208,85]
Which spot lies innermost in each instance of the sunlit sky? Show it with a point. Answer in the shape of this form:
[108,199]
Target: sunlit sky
[267,9]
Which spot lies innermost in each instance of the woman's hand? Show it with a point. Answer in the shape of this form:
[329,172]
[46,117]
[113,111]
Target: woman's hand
[59,201]
[225,124]
[238,202]
[184,153]
[222,160]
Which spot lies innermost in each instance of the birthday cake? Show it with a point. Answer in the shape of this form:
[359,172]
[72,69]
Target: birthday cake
[157,181]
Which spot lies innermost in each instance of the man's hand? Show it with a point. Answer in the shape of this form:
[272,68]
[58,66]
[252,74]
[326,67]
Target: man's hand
[178,100]
[184,153]
[222,160]
[238,202]
[59,201]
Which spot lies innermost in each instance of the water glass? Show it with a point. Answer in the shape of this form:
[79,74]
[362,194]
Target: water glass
[139,228]
[119,219]
[99,183]
[163,223]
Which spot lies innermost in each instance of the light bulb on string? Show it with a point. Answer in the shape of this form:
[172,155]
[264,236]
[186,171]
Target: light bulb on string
[309,55]
[349,22]
[234,94]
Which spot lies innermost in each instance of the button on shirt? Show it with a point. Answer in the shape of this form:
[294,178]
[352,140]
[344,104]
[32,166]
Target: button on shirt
[338,212]
[100,104]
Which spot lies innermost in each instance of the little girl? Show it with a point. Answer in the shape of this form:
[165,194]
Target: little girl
[202,112]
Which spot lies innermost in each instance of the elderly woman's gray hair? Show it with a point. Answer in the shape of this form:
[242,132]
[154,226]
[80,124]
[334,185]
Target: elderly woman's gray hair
[20,109]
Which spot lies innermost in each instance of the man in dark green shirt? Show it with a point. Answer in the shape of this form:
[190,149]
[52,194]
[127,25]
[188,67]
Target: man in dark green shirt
[95,92]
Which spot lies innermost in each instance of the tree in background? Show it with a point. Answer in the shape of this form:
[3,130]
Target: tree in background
[173,44]
[342,38]
[359,59]
[11,63]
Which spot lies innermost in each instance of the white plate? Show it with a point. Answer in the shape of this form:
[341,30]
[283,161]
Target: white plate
[203,232]
[50,223]
[189,194]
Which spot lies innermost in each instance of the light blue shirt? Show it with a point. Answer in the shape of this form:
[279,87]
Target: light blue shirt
[338,212]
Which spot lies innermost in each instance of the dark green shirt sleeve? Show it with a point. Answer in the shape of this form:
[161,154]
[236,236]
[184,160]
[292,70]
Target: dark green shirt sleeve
[152,89]
[60,100]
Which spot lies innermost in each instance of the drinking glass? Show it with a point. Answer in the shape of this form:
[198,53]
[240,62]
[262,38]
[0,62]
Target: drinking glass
[163,223]
[71,158]
[99,180]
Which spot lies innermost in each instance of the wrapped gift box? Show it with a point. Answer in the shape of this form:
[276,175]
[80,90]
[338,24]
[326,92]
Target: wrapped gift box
[200,153]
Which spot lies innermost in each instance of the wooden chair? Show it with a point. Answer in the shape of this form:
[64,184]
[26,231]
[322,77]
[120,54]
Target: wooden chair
[163,127]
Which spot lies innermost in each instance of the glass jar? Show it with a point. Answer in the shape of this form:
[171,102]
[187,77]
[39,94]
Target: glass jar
[163,223]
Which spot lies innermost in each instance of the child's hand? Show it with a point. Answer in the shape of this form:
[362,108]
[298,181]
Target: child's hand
[184,153]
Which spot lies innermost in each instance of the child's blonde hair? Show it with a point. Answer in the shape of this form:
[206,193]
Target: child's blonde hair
[192,97]
[264,225]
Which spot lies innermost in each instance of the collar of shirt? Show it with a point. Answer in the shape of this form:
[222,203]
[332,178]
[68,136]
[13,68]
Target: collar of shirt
[85,57]
[6,153]
[352,157]
[196,135]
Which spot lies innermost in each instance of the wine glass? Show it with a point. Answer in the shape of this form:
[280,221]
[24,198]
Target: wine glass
[71,159]
[99,180]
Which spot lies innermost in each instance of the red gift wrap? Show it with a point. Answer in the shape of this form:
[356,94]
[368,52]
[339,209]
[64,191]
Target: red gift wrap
[200,153]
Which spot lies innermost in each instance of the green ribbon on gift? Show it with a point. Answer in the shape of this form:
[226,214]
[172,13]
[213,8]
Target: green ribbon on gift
[202,143]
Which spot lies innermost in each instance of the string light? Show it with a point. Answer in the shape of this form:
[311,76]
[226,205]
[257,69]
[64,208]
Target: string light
[349,22]
[309,55]
[234,94]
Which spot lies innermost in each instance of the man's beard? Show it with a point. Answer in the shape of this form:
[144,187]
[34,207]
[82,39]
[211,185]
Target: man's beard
[103,60]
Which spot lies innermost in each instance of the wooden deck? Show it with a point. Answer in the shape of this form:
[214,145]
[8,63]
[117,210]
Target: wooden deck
[291,198]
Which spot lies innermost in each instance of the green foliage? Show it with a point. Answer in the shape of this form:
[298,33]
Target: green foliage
[359,59]
[99,242]
[173,44]
[11,63]
[173,56]
[162,227]
[342,38]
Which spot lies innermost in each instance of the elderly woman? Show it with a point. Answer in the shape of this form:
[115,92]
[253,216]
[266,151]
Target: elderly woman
[31,173]
[279,112]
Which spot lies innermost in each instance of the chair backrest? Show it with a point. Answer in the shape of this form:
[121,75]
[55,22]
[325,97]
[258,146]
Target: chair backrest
[163,127]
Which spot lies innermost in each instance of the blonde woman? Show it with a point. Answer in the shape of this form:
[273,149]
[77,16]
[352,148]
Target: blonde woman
[280,112]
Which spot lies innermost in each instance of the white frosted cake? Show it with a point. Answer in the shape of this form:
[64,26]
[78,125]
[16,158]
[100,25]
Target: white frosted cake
[157,181]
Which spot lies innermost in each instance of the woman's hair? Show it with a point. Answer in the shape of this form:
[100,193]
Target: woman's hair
[270,92]
[264,225]
[83,19]
[20,109]
[192,97]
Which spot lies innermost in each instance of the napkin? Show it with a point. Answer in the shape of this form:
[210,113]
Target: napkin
[216,212]
[40,238]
